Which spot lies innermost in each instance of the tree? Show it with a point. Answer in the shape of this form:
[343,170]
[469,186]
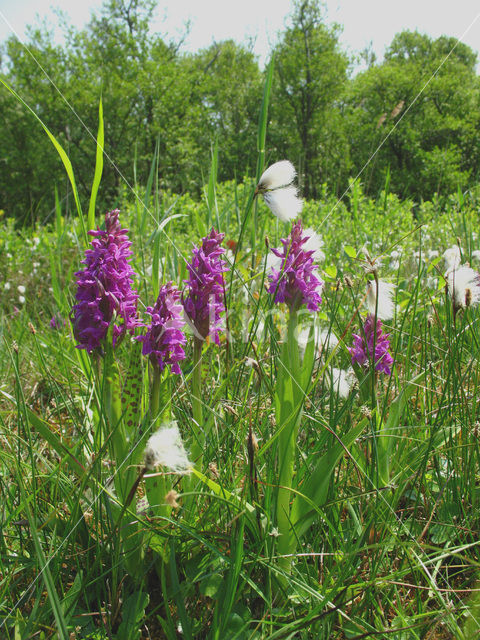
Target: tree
[416,114]
[310,78]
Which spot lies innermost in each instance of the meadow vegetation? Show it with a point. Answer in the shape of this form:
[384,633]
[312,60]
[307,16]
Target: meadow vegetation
[302,461]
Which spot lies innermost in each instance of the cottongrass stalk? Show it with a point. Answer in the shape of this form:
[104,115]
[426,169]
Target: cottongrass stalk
[204,307]
[295,284]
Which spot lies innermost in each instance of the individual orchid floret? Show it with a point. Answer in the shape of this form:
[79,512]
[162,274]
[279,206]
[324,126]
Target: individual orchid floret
[278,192]
[204,298]
[104,288]
[56,321]
[362,351]
[382,304]
[295,282]
[464,286]
[165,448]
[452,258]
[164,339]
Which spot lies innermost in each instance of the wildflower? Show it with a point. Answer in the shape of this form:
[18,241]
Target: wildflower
[21,289]
[278,192]
[165,448]
[362,350]
[21,300]
[164,339]
[7,286]
[381,304]
[203,302]
[104,287]
[464,286]
[295,282]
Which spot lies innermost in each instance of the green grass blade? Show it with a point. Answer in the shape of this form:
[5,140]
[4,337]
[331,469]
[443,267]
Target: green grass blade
[98,169]
[44,566]
[65,159]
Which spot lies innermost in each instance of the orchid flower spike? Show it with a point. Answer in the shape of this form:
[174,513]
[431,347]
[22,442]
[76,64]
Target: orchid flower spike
[278,191]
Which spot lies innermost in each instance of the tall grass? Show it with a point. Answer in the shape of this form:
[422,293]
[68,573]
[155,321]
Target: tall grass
[385,494]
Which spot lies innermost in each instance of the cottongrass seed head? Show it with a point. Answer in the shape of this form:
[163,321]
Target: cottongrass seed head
[165,448]
[452,258]
[464,286]
[278,192]
[341,381]
[384,307]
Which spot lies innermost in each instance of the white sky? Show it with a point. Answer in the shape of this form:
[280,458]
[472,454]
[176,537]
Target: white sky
[364,21]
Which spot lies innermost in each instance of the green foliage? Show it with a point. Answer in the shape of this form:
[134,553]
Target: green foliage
[416,116]
[310,77]
[157,99]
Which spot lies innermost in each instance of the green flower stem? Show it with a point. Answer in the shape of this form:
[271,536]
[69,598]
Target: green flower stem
[160,408]
[289,402]
[197,408]
[131,540]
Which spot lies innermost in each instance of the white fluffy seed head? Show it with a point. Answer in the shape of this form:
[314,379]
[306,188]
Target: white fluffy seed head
[385,307]
[165,448]
[280,174]
[464,286]
[452,257]
[341,381]
[284,203]
[314,243]
[324,339]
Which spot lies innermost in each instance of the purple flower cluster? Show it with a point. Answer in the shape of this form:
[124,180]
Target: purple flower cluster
[164,339]
[104,287]
[362,350]
[203,301]
[295,282]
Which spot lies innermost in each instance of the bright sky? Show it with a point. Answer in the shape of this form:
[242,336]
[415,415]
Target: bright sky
[364,21]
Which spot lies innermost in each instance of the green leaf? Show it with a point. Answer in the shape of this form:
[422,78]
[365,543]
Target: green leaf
[315,489]
[98,169]
[330,271]
[350,251]
[212,585]
[133,613]
[65,159]
[44,566]
[132,393]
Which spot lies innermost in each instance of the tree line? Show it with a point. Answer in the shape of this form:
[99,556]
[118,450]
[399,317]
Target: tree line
[412,120]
